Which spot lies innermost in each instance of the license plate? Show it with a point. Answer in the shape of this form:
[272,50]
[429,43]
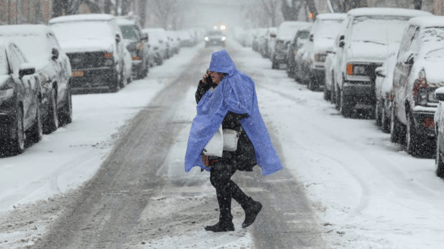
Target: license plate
[77,74]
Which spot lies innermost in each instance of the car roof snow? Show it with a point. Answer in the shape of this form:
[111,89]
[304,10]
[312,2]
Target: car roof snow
[82,17]
[386,12]
[331,16]
[23,29]
[428,21]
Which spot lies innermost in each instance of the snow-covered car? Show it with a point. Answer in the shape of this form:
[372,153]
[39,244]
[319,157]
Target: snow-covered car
[94,46]
[417,74]
[362,48]
[157,45]
[439,132]
[215,38]
[42,49]
[19,100]
[136,43]
[325,30]
[286,32]
[383,90]
[174,41]
[160,36]
[185,39]
[299,41]
[270,42]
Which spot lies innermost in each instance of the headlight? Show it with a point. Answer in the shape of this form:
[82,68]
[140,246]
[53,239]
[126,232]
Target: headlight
[109,62]
[356,69]
[7,93]
[206,38]
[320,57]
[223,38]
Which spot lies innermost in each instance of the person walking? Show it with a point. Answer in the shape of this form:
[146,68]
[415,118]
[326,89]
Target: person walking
[227,97]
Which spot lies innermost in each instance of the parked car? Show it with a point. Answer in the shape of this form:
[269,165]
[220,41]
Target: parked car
[215,37]
[157,45]
[94,46]
[323,34]
[361,49]
[418,73]
[298,43]
[174,41]
[162,40]
[136,43]
[439,133]
[286,32]
[19,100]
[53,66]
[384,90]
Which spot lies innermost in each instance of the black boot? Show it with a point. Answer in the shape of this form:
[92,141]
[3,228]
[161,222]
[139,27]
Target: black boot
[251,212]
[221,226]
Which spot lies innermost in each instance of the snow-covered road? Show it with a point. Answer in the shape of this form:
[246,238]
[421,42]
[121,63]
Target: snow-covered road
[366,191]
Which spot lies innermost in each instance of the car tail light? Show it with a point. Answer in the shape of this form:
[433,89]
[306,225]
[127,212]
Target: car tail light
[422,92]
[108,55]
[136,58]
[320,57]
[429,123]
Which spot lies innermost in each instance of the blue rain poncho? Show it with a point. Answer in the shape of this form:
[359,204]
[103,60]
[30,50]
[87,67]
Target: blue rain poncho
[235,93]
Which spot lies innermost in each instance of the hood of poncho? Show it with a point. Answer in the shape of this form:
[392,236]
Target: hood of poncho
[235,93]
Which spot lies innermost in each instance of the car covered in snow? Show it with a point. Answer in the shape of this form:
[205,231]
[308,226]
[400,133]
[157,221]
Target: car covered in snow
[384,90]
[41,48]
[439,132]
[20,96]
[363,48]
[296,47]
[215,38]
[325,30]
[174,41]
[418,73]
[136,43]
[286,32]
[94,46]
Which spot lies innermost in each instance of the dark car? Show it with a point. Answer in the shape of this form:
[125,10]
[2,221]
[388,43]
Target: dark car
[53,67]
[215,38]
[19,100]
[94,46]
[300,39]
[137,45]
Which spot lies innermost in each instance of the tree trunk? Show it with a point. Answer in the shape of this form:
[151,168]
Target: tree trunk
[93,7]
[108,6]
[142,12]
[418,4]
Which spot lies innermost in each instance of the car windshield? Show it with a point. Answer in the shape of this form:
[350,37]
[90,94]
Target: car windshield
[328,29]
[129,32]
[82,30]
[434,37]
[3,62]
[437,54]
[26,42]
[379,29]
[214,33]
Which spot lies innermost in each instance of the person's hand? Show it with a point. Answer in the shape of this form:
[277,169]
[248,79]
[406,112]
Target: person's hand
[204,79]
[206,160]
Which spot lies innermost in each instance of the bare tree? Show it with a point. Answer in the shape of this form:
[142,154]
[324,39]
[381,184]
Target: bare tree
[271,9]
[346,5]
[418,4]
[67,7]
[164,10]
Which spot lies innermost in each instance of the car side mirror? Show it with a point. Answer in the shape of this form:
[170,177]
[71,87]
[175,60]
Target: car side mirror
[409,59]
[145,37]
[381,72]
[55,54]
[272,35]
[118,39]
[341,41]
[439,94]
[26,69]
[311,37]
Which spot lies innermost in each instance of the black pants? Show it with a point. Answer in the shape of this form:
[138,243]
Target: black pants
[226,189]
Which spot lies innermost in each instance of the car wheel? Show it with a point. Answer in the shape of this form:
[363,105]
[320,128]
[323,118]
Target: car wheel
[66,113]
[18,143]
[378,116]
[327,93]
[385,122]
[395,128]
[116,86]
[414,143]
[337,98]
[36,132]
[438,158]
[52,120]
[274,64]
[346,106]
